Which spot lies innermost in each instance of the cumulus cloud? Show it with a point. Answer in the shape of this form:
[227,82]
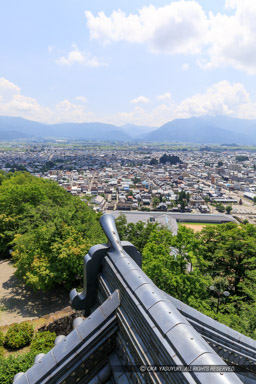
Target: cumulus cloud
[227,38]
[222,98]
[8,89]
[165,96]
[75,56]
[180,27]
[14,103]
[232,37]
[155,117]
[82,99]
[141,99]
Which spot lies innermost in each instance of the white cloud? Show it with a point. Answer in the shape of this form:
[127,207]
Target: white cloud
[141,99]
[222,98]
[13,103]
[180,27]
[82,99]
[75,56]
[165,96]
[8,89]
[185,67]
[232,37]
[157,116]
[227,38]
[70,112]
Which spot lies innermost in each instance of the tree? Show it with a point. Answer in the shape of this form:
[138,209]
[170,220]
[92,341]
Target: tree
[220,207]
[168,270]
[48,229]
[220,164]
[153,161]
[242,158]
[156,202]
[137,233]
[229,249]
[183,199]
[172,159]
[228,209]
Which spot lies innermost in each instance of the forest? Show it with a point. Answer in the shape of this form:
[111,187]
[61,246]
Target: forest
[47,231]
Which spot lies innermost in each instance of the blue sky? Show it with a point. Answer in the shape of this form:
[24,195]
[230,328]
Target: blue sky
[141,62]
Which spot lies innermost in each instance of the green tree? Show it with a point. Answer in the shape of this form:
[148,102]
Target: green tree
[220,207]
[242,158]
[168,269]
[229,249]
[48,229]
[156,202]
[153,161]
[172,159]
[228,209]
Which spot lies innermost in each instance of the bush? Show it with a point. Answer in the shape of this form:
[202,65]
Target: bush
[14,364]
[11,365]
[1,351]
[1,339]
[43,342]
[19,335]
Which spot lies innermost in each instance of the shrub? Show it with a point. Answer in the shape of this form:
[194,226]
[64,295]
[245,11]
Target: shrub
[13,364]
[43,342]
[19,335]
[1,339]
[1,351]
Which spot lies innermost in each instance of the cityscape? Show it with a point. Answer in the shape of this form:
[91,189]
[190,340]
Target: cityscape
[217,180]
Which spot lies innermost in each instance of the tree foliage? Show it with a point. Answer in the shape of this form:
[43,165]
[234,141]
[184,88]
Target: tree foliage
[43,342]
[11,365]
[138,234]
[48,229]
[171,263]
[153,161]
[172,159]
[19,335]
[187,265]
[242,158]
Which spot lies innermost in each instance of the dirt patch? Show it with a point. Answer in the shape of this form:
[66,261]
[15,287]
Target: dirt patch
[195,227]
[19,303]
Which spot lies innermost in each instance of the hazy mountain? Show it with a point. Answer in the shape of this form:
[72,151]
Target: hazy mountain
[205,130]
[137,131]
[244,126]
[202,130]
[23,127]
[16,127]
[90,131]
[12,135]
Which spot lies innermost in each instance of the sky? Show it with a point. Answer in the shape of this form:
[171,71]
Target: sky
[127,62]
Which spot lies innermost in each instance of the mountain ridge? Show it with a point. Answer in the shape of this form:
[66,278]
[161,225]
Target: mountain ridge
[201,130]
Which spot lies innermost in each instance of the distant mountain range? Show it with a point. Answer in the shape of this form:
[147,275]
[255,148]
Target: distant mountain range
[206,130]
[201,130]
